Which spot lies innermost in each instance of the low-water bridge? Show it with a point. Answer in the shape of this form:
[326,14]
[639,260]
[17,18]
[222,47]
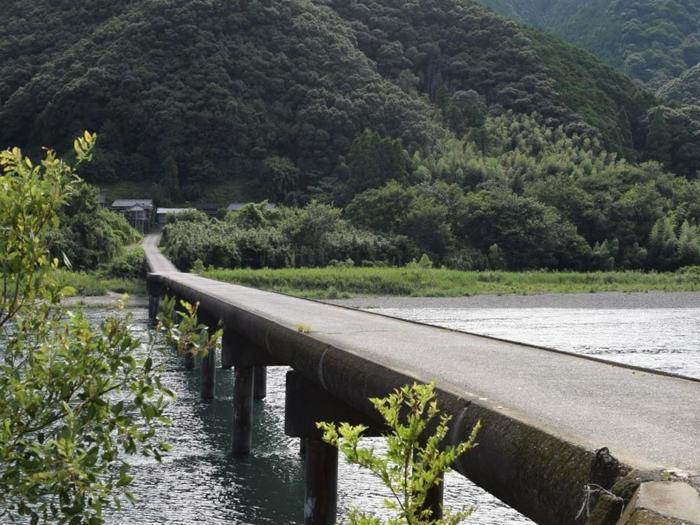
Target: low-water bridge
[558,430]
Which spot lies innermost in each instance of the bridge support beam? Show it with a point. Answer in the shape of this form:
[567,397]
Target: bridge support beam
[209,375]
[260,388]
[242,431]
[189,360]
[153,306]
[433,501]
[237,350]
[305,404]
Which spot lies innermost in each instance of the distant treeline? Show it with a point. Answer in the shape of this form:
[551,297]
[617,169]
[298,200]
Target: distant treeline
[514,195]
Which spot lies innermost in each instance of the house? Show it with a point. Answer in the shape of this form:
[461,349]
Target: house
[163,213]
[138,212]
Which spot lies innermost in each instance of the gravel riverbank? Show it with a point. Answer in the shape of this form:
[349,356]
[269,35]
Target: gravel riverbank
[602,300]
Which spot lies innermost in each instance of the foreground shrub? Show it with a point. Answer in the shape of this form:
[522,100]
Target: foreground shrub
[414,462]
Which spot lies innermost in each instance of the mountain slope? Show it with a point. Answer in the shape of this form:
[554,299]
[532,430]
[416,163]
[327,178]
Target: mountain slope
[447,46]
[652,41]
[685,89]
[209,90]
[187,92]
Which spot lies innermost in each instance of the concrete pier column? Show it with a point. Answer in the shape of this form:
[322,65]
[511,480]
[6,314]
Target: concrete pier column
[260,388]
[306,403]
[209,375]
[155,292]
[153,306]
[320,482]
[228,348]
[434,500]
[242,432]
[208,362]
[189,360]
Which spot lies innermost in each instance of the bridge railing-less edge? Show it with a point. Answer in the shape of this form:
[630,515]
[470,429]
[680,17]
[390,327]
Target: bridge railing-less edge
[545,477]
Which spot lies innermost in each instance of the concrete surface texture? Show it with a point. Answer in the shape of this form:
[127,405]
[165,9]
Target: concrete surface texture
[157,262]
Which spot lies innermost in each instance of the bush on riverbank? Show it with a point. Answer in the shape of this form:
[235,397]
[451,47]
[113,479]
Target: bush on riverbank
[257,237]
[130,264]
[343,282]
[90,235]
[123,274]
[91,284]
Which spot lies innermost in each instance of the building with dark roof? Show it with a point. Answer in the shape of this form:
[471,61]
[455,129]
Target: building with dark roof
[139,212]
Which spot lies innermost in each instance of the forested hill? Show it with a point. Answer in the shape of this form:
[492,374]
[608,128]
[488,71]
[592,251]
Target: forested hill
[654,42]
[184,92]
[684,89]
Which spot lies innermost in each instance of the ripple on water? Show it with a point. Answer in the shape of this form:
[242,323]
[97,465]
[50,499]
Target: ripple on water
[666,339]
[200,482]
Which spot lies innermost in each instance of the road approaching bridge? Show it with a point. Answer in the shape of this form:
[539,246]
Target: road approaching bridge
[561,432]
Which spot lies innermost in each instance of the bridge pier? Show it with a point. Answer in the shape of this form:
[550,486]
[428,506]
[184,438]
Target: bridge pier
[153,306]
[242,431]
[434,500]
[249,362]
[260,383]
[187,357]
[305,404]
[209,375]
[189,360]
[208,369]
[155,292]
[320,482]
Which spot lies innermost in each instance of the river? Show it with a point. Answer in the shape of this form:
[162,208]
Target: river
[200,483]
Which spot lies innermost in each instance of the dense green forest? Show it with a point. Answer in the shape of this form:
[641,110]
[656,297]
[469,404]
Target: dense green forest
[684,89]
[386,129]
[652,41]
[514,194]
[656,43]
[270,94]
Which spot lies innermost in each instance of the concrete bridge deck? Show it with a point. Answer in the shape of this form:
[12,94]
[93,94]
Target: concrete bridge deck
[548,416]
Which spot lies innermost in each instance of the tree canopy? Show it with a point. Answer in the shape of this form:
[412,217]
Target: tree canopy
[272,94]
[514,194]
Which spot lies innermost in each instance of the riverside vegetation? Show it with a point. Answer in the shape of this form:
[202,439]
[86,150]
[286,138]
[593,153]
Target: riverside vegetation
[342,282]
[656,43]
[78,401]
[515,196]
[97,246]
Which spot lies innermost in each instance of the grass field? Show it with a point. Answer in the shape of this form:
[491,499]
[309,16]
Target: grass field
[338,282]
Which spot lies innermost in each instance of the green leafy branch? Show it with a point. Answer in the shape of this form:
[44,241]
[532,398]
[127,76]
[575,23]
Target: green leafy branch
[413,464]
[77,400]
[179,323]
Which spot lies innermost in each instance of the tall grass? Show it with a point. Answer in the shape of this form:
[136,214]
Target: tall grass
[342,282]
